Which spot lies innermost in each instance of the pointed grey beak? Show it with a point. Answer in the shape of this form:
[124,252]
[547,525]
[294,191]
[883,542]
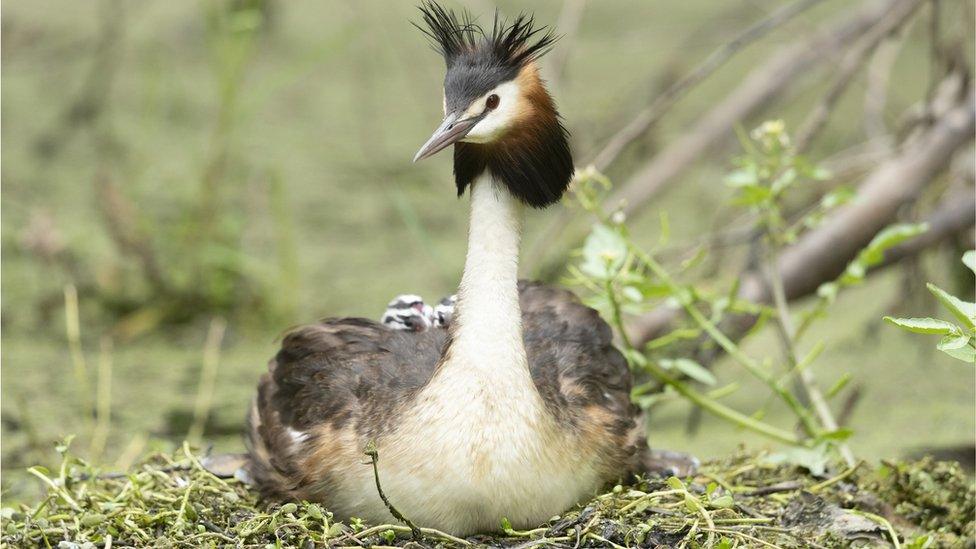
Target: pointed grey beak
[450,131]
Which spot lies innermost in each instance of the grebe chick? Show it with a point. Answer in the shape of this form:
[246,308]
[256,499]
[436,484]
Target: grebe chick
[408,312]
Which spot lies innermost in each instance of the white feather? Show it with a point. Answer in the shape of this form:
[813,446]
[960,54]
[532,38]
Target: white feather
[479,444]
[499,120]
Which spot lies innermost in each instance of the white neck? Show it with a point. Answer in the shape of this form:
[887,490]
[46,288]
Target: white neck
[487,325]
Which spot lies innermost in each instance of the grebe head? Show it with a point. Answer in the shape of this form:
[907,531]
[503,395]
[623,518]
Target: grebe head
[497,112]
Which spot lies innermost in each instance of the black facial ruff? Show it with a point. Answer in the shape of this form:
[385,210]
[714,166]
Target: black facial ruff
[533,159]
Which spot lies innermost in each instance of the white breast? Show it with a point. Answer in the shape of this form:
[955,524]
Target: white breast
[478,445]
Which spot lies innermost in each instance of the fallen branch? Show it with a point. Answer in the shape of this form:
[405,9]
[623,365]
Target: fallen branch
[650,115]
[756,90]
[822,254]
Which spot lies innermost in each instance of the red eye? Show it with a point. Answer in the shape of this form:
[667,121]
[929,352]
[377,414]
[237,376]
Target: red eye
[492,102]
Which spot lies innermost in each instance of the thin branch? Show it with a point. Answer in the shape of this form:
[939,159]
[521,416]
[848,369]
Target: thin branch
[822,254]
[848,68]
[703,401]
[876,90]
[720,410]
[757,90]
[121,221]
[568,24]
[715,60]
[787,332]
[208,378]
[728,345]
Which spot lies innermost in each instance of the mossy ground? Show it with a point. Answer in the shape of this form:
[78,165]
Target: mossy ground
[742,501]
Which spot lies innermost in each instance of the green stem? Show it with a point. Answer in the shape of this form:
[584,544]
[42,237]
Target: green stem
[618,316]
[699,399]
[806,380]
[809,425]
[721,410]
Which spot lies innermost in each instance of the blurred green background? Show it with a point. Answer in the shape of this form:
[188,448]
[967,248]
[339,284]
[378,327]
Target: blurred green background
[258,156]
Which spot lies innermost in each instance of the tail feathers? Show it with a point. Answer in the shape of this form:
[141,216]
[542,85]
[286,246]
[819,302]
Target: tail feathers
[264,467]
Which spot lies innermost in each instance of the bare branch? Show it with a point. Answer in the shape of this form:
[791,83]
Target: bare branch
[755,92]
[649,116]
[848,68]
[876,90]
[568,24]
[822,254]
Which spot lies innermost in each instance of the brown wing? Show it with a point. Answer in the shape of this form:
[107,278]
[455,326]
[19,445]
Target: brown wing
[581,376]
[354,374]
[347,373]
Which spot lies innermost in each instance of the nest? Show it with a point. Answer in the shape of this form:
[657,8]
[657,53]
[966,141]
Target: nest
[170,500]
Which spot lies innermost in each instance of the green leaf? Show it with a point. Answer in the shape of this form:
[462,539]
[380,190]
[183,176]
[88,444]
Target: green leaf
[671,337]
[953,341]
[722,502]
[891,235]
[813,459]
[837,197]
[969,259]
[675,483]
[783,181]
[854,273]
[313,511]
[828,291]
[920,542]
[837,435]
[951,346]
[820,174]
[691,369]
[753,195]
[924,325]
[631,294]
[741,178]
[604,252]
[963,310]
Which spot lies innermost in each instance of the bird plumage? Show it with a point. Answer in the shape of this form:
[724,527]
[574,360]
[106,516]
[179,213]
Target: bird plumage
[335,385]
[521,408]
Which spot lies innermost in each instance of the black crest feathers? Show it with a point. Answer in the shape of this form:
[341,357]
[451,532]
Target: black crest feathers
[510,44]
[533,158]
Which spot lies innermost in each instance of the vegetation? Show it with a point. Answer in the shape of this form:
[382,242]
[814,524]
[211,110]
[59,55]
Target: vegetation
[957,341]
[621,277]
[740,501]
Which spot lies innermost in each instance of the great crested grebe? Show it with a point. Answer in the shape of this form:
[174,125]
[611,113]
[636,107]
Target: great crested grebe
[521,408]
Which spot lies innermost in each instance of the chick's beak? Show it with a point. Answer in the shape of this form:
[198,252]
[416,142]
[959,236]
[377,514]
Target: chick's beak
[450,131]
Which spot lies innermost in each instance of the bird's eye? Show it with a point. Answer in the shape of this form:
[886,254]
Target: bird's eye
[492,102]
